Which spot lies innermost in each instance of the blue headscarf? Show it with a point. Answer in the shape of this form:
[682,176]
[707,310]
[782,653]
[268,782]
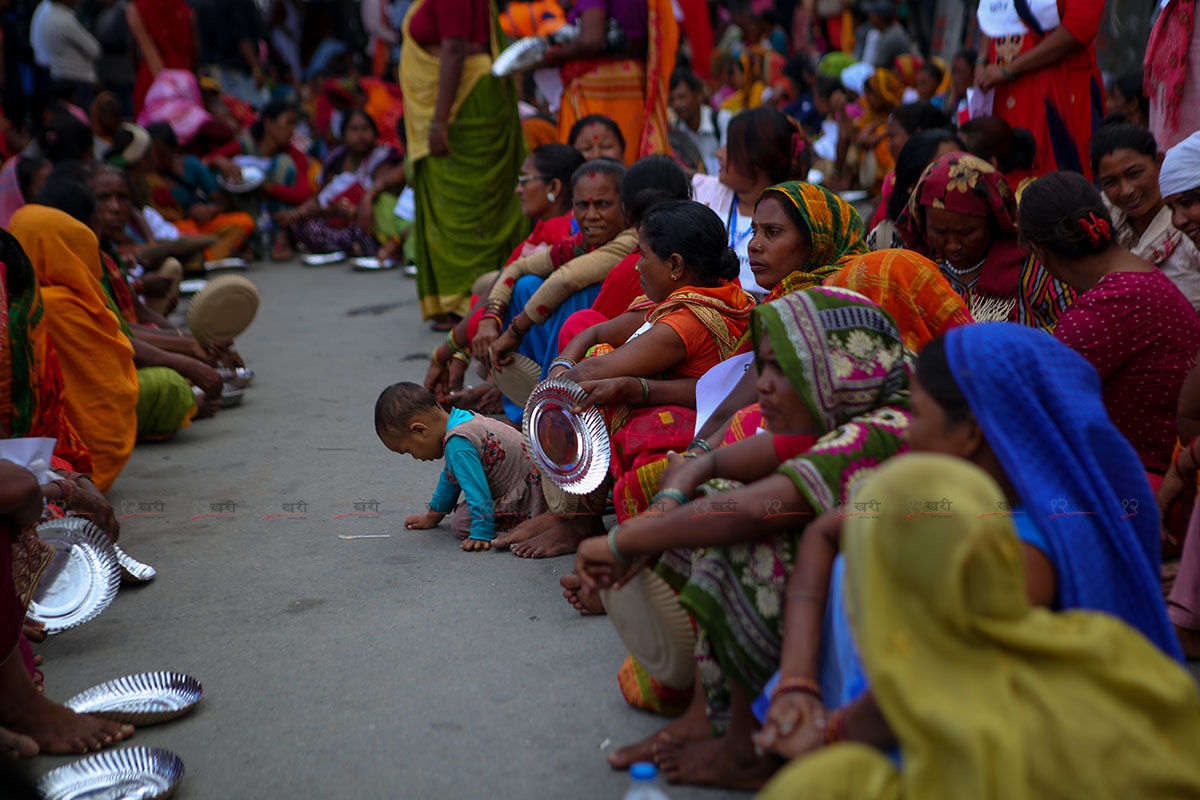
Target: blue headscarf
[1081,483]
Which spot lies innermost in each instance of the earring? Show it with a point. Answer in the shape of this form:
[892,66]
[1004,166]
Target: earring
[550,198]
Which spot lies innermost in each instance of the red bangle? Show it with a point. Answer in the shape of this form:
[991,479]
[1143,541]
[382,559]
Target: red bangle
[499,321]
[835,726]
[805,685]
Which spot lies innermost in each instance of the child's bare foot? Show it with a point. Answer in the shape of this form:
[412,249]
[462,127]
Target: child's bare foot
[473,545]
[34,630]
[587,603]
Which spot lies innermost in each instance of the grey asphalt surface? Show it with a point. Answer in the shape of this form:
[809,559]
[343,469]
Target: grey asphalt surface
[393,667]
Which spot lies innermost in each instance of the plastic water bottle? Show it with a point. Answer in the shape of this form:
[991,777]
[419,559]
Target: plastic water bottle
[642,784]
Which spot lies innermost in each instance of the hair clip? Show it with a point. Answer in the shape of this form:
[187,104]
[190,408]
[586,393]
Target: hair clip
[1097,228]
[797,145]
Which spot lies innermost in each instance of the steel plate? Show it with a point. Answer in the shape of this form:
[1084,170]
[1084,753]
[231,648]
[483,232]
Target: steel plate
[519,55]
[83,578]
[252,178]
[131,569]
[132,773]
[322,259]
[143,699]
[373,264]
[572,450]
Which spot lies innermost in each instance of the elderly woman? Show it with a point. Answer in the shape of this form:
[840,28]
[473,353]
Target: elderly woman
[963,215]
[831,365]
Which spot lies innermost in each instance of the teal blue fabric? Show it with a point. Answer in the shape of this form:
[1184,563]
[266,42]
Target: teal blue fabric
[464,461]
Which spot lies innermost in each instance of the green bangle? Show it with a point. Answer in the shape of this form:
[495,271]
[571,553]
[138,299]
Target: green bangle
[703,445]
[671,494]
[1004,71]
[454,346]
[645,391]
[612,548]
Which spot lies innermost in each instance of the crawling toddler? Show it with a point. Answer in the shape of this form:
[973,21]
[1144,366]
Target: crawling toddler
[485,459]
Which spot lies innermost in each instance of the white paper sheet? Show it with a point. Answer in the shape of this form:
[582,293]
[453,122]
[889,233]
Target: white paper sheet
[979,104]
[33,453]
[549,83]
[717,383]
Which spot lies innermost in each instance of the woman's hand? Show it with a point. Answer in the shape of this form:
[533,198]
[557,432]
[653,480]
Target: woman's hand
[204,376]
[223,353]
[685,474]
[91,503]
[990,76]
[596,566]
[1177,490]
[481,345]
[455,373]
[365,214]
[439,140]
[437,378]
[608,391]
[225,165]
[794,725]
[505,344]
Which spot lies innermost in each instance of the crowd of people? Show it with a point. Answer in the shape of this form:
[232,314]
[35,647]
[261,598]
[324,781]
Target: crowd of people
[896,351]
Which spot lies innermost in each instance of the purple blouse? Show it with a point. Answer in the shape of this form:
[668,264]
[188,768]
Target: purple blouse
[630,14]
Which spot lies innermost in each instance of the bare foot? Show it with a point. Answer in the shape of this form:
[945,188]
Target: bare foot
[474,545]
[693,726]
[1189,640]
[586,602]
[526,530]
[57,729]
[34,630]
[562,538]
[17,745]
[714,762]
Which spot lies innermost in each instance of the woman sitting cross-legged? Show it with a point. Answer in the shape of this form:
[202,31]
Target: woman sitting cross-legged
[831,365]
[1029,412]
[646,363]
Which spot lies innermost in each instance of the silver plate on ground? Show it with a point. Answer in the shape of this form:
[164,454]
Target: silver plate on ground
[232,395]
[519,55]
[83,578]
[646,614]
[238,377]
[572,450]
[322,259]
[143,699]
[252,178]
[192,285]
[369,264]
[225,263]
[131,773]
[133,570]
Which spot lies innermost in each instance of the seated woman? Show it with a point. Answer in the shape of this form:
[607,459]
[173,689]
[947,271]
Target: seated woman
[762,148]
[1125,161]
[354,207]
[110,188]
[918,152]
[1138,330]
[986,694]
[831,365]
[1029,412]
[647,358]
[108,400]
[963,215]
[184,193]
[268,146]
[534,296]
[597,136]
[30,722]
[903,123]
[543,187]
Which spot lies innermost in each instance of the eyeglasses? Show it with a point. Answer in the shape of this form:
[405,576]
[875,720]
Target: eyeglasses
[524,179]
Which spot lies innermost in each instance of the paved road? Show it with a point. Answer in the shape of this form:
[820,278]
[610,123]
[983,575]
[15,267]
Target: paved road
[368,668]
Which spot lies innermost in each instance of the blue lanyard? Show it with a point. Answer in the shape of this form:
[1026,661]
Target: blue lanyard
[731,224]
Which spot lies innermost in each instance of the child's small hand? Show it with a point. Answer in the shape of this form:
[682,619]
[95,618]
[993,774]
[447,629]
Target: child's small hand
[420,522]
[472,545]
